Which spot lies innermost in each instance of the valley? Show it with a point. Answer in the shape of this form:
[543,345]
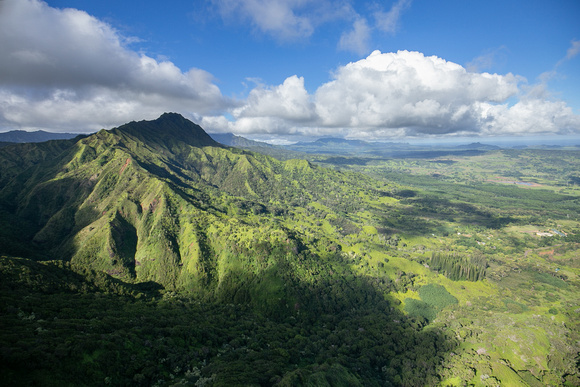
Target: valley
[150,254]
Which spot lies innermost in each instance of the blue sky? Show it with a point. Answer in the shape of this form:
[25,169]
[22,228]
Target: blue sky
[284,70]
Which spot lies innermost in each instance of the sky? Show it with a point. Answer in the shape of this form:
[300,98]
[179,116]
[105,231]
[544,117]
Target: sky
[288,70]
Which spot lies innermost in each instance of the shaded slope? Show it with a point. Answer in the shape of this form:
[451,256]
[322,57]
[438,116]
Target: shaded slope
[117,333]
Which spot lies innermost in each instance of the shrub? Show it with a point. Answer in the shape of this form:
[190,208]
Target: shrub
[433,299]
[436,296]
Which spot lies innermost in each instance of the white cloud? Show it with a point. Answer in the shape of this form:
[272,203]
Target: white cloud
[401,94]
[406,89]
[81,76]
[282,19]
[528,117]
[356,40]
[487,60]
[389,21]
[540,89]
[572,52]
[574,49]
[289,101]
[66,70]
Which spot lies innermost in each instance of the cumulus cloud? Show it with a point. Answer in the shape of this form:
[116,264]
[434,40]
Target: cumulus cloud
[82,76]
[406,89]
[282,109]
[529,117]
[83,72]
[289,101]
[401,94]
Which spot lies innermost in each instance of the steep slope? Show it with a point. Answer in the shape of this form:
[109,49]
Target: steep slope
[161,201]
[15,158]
[169,131]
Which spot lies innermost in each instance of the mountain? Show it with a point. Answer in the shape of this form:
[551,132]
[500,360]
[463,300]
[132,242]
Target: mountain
[231,139]
[279,152]
[169,131]
[338,140]
[154,201]
[372,150]
[159,209]
[20,136]
[478,146]
[333,145]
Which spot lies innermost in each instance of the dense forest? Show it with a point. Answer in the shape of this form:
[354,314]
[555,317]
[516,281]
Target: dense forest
[150,254]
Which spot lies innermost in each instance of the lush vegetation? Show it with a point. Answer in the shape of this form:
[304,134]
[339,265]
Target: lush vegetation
[459,268]
[151,255]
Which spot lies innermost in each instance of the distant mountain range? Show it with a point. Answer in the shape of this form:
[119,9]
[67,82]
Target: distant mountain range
[21,136]
[231,139]
[478,146]
[322,146]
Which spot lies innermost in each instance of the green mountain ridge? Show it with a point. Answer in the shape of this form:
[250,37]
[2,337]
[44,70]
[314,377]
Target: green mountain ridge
[153,201]
[158,203]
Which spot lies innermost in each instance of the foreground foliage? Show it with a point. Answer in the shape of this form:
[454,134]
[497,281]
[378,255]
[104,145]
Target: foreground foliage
[99,332]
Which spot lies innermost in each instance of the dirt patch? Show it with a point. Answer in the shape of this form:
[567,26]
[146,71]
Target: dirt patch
[550,252]
[125,165]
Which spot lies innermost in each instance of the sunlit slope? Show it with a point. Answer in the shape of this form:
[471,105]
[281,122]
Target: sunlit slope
[161,201]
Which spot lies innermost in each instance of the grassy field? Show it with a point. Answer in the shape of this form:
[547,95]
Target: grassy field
[521,211]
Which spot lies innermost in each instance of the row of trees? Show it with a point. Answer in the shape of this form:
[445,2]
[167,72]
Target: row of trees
[457,267]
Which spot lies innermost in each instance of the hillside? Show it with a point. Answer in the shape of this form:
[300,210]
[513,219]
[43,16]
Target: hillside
[99,201]
[199,263]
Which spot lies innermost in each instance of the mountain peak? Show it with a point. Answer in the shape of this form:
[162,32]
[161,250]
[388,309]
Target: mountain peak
[171,117]
[168,128]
